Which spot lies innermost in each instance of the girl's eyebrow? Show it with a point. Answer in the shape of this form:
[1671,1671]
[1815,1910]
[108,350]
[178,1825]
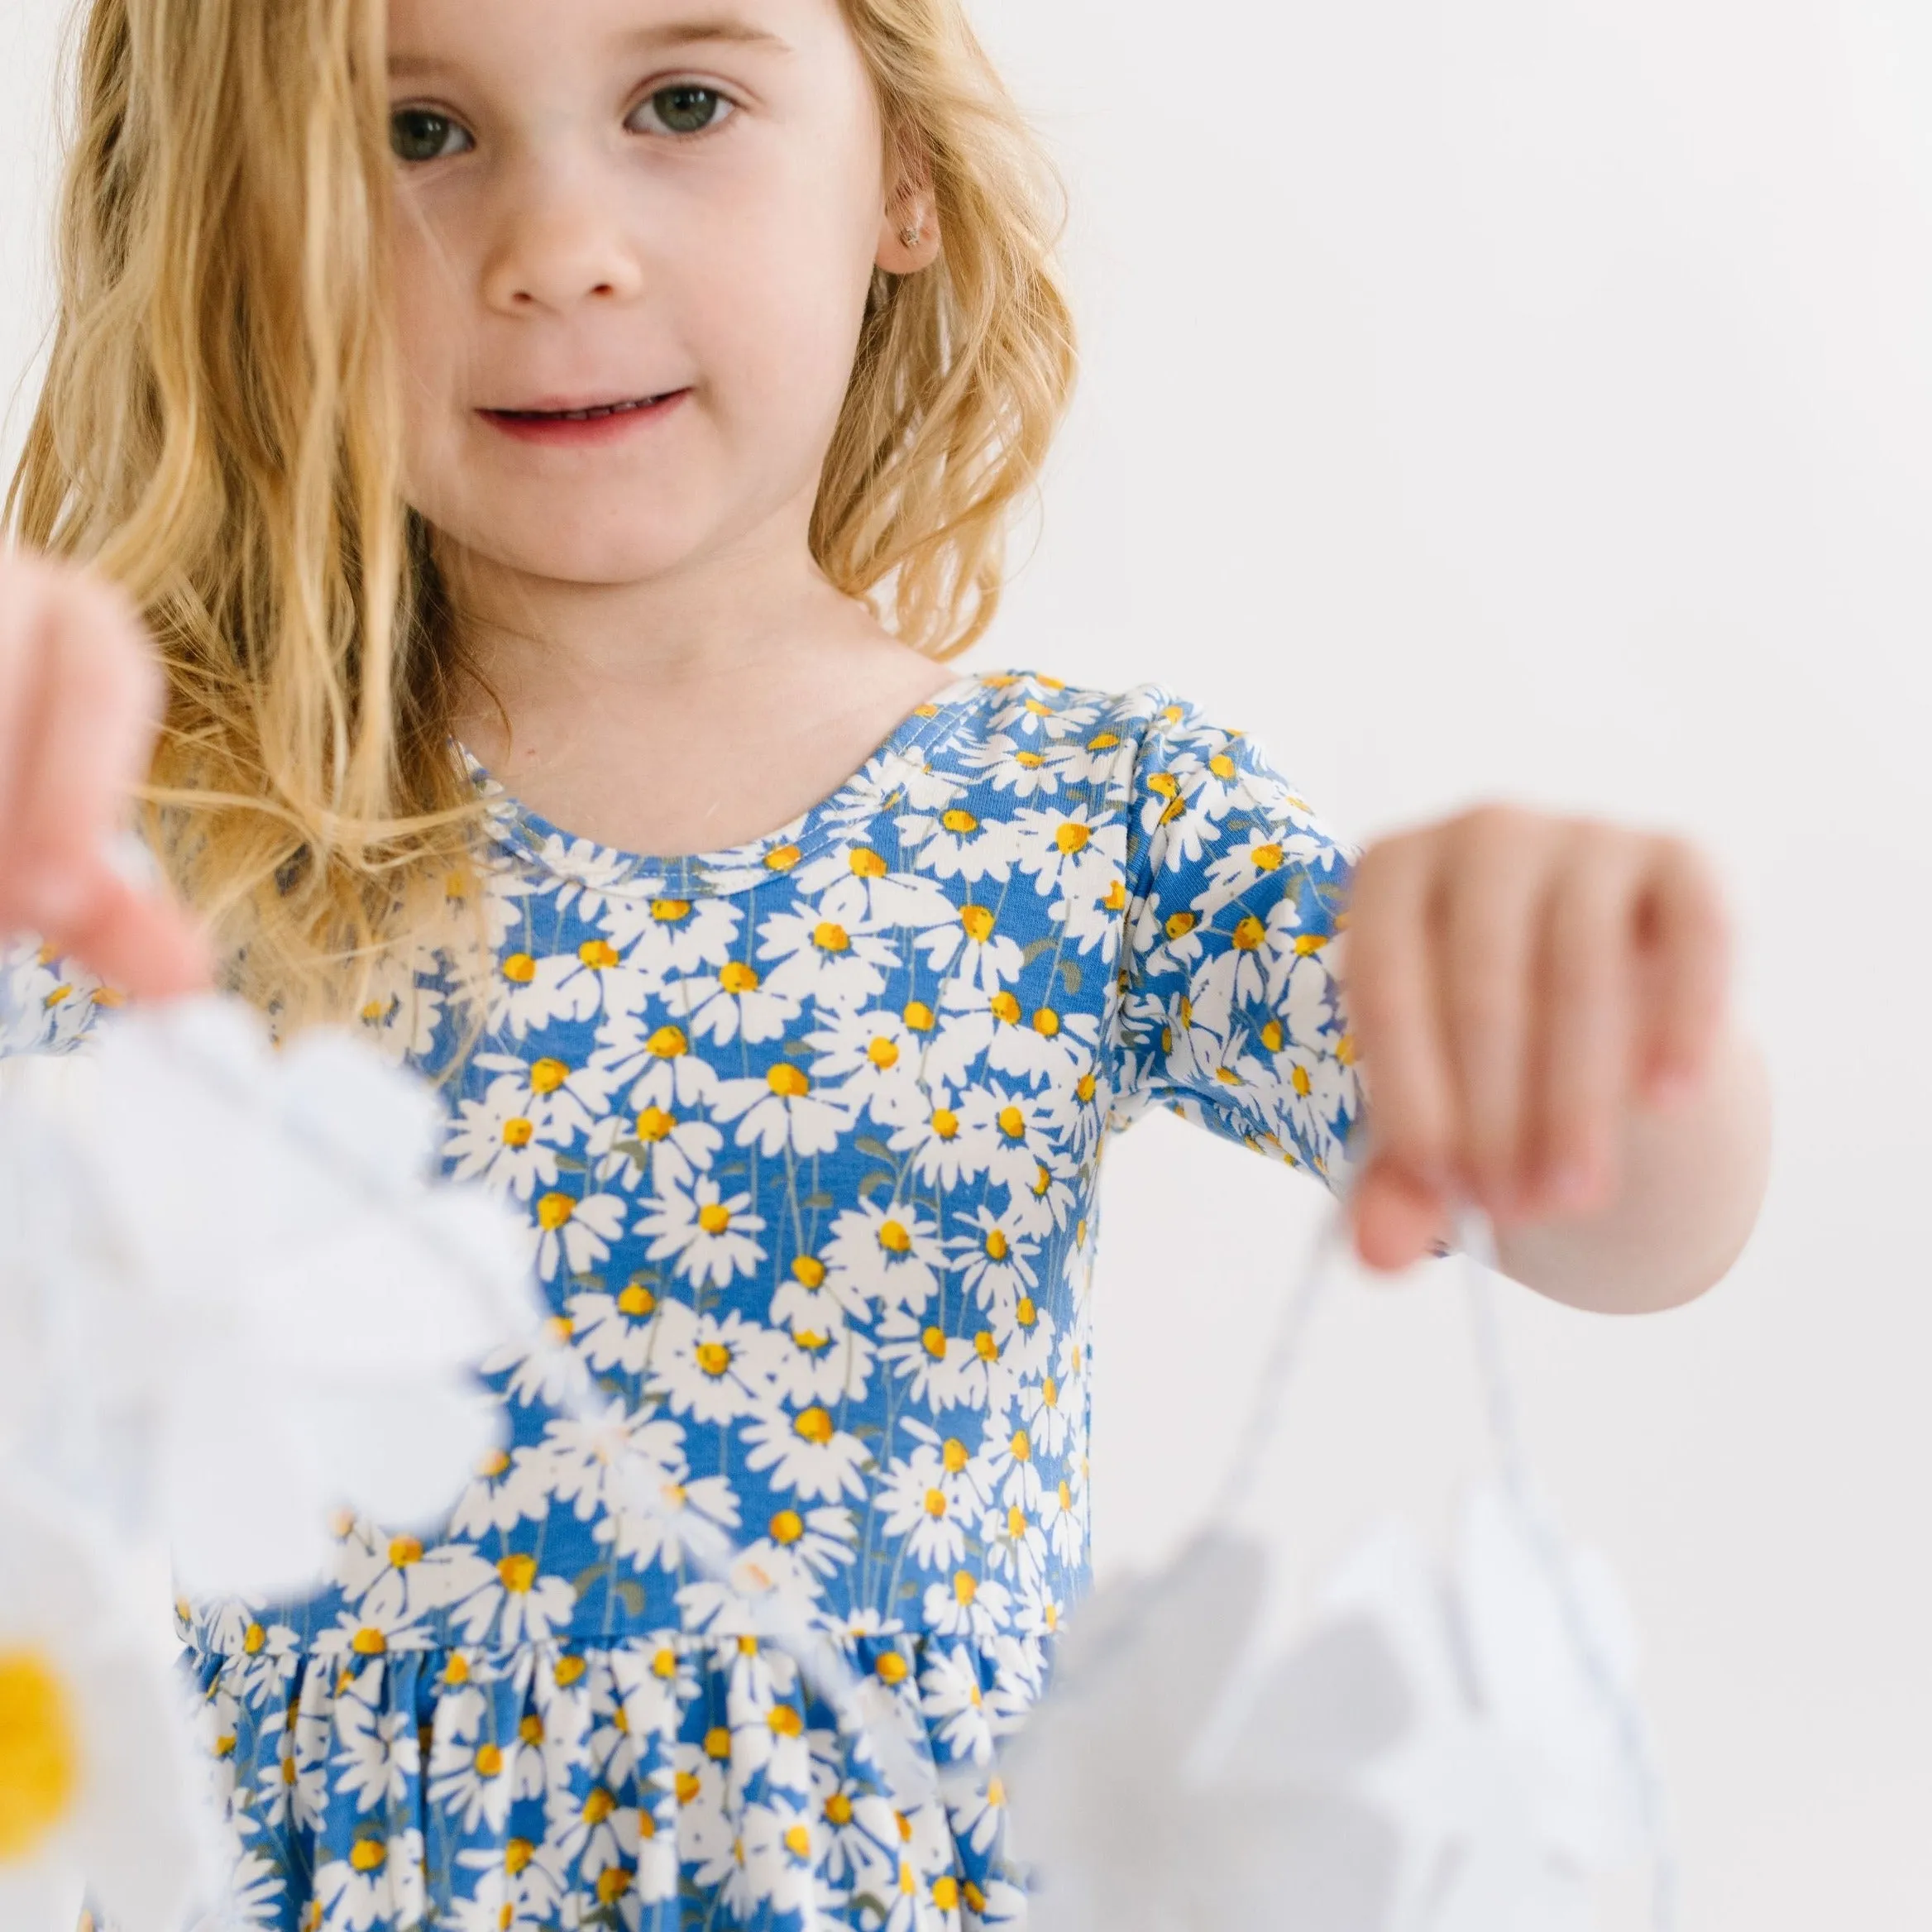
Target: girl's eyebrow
[683,33]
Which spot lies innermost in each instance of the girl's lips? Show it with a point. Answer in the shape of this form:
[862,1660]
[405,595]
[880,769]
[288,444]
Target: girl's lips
[599,422]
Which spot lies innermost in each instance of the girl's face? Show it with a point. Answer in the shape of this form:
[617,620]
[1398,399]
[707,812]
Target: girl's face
[668,208]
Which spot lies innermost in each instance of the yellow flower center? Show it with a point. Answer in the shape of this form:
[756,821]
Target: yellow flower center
[814,1425]
[1103,741]
[553,1210]
[965,1586]
[985,1347]
[455,1672]
[1066,1495]
[370,1854]
[598,1805]
[369,1642]
[39,1754]
[935,1504]
[953,1455]
[489,1761]
[718,1742]
[1005,1008]
[787,1082]
[518,1574]
[918,1017]
[1115,898]
[1180,925]
[1016,1522]
[570,1670]
[548,1075]
[530,1731]
[1028,761]
[1162,784]
[959,821]
[809,1270]
[688,1784]
[1267,858]
[519,969]
[785,1722]
[713,1357]
[1024,1314]
[945,1123]
[253,1639]
[669,911]
[1042,1181]
[839,1806]
[884,1052]
[1012,1123]
[1222,765]
[935,1343]
[1021,1447]
[1303,1085]
[798,1840]
[517,1855]
[977,921]
[668,1043]
[892,1669]
[1249,934]
[781,857]
[1046,1022]
[830,937]
[600,955]
[894,1238]
[1308,943]
[1072,838]
[945,1893]
[612,1882]
[404,1551]
[714,1217]
[1049,1392]
[636,1301]
[518,1132]
[810,1340]
[1272,1036]
[867,864]
[787,1527]
[737,978]
[996,1245]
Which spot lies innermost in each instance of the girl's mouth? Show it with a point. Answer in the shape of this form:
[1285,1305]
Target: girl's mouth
[588,423]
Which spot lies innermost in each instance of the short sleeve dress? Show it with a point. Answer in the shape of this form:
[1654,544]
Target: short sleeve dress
[810,1133]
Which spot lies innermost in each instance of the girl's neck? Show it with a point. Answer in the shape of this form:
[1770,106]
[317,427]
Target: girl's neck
[695,711]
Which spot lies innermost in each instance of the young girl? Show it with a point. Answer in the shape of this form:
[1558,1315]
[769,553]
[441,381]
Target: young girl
[549,454]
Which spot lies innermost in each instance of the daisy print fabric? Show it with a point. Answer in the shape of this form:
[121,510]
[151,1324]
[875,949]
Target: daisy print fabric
[808,1134]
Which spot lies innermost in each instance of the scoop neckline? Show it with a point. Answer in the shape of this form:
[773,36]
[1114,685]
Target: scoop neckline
[611,869]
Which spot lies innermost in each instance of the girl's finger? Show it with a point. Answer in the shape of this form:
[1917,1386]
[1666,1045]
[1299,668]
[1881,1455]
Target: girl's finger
[92,731]
[139,942]
[1392,1009]
[1396,1221]
[1684,932]
[1584,1020]
[1498,875]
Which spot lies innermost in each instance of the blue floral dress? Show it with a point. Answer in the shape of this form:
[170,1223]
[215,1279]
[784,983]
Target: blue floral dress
[809,1133]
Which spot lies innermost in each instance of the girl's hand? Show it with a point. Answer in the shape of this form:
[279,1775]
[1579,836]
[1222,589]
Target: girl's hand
[80,701]
[1518,983]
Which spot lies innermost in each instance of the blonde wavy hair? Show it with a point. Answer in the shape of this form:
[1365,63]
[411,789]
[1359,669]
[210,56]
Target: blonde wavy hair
[220,432]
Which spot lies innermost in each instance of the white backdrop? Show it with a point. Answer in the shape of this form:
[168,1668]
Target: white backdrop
[1528,397]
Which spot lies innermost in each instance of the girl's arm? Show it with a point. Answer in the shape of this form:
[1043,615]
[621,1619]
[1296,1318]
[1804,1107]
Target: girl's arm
[1542,1013]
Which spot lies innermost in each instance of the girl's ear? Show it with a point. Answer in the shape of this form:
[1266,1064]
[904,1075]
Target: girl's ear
[909,230]
[909,236]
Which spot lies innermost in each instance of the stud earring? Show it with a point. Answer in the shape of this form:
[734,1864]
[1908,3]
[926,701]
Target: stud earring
[912,234]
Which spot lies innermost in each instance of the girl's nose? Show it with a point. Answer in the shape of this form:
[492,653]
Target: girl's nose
[560,243]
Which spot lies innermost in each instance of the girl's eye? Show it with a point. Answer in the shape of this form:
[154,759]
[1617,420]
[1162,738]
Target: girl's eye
[685,109]
[420,134]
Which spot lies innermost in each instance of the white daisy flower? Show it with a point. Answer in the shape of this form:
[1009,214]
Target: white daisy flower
[780,1110]
[1065,850]
[666,936]
[944,1154]
[855,886]
[808,1454]
[732,1004]
[995,1262]
[830,1365]
[892,1255]
[954,844]
[966,1605]
[709,1368]
[575,1232]
[824,959]
[616,1330]
[871,1059]
[517,1605]
[972,949]
[381,1757]
[709,1238]
[381,1883]
[98,1784]
[506,1491]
